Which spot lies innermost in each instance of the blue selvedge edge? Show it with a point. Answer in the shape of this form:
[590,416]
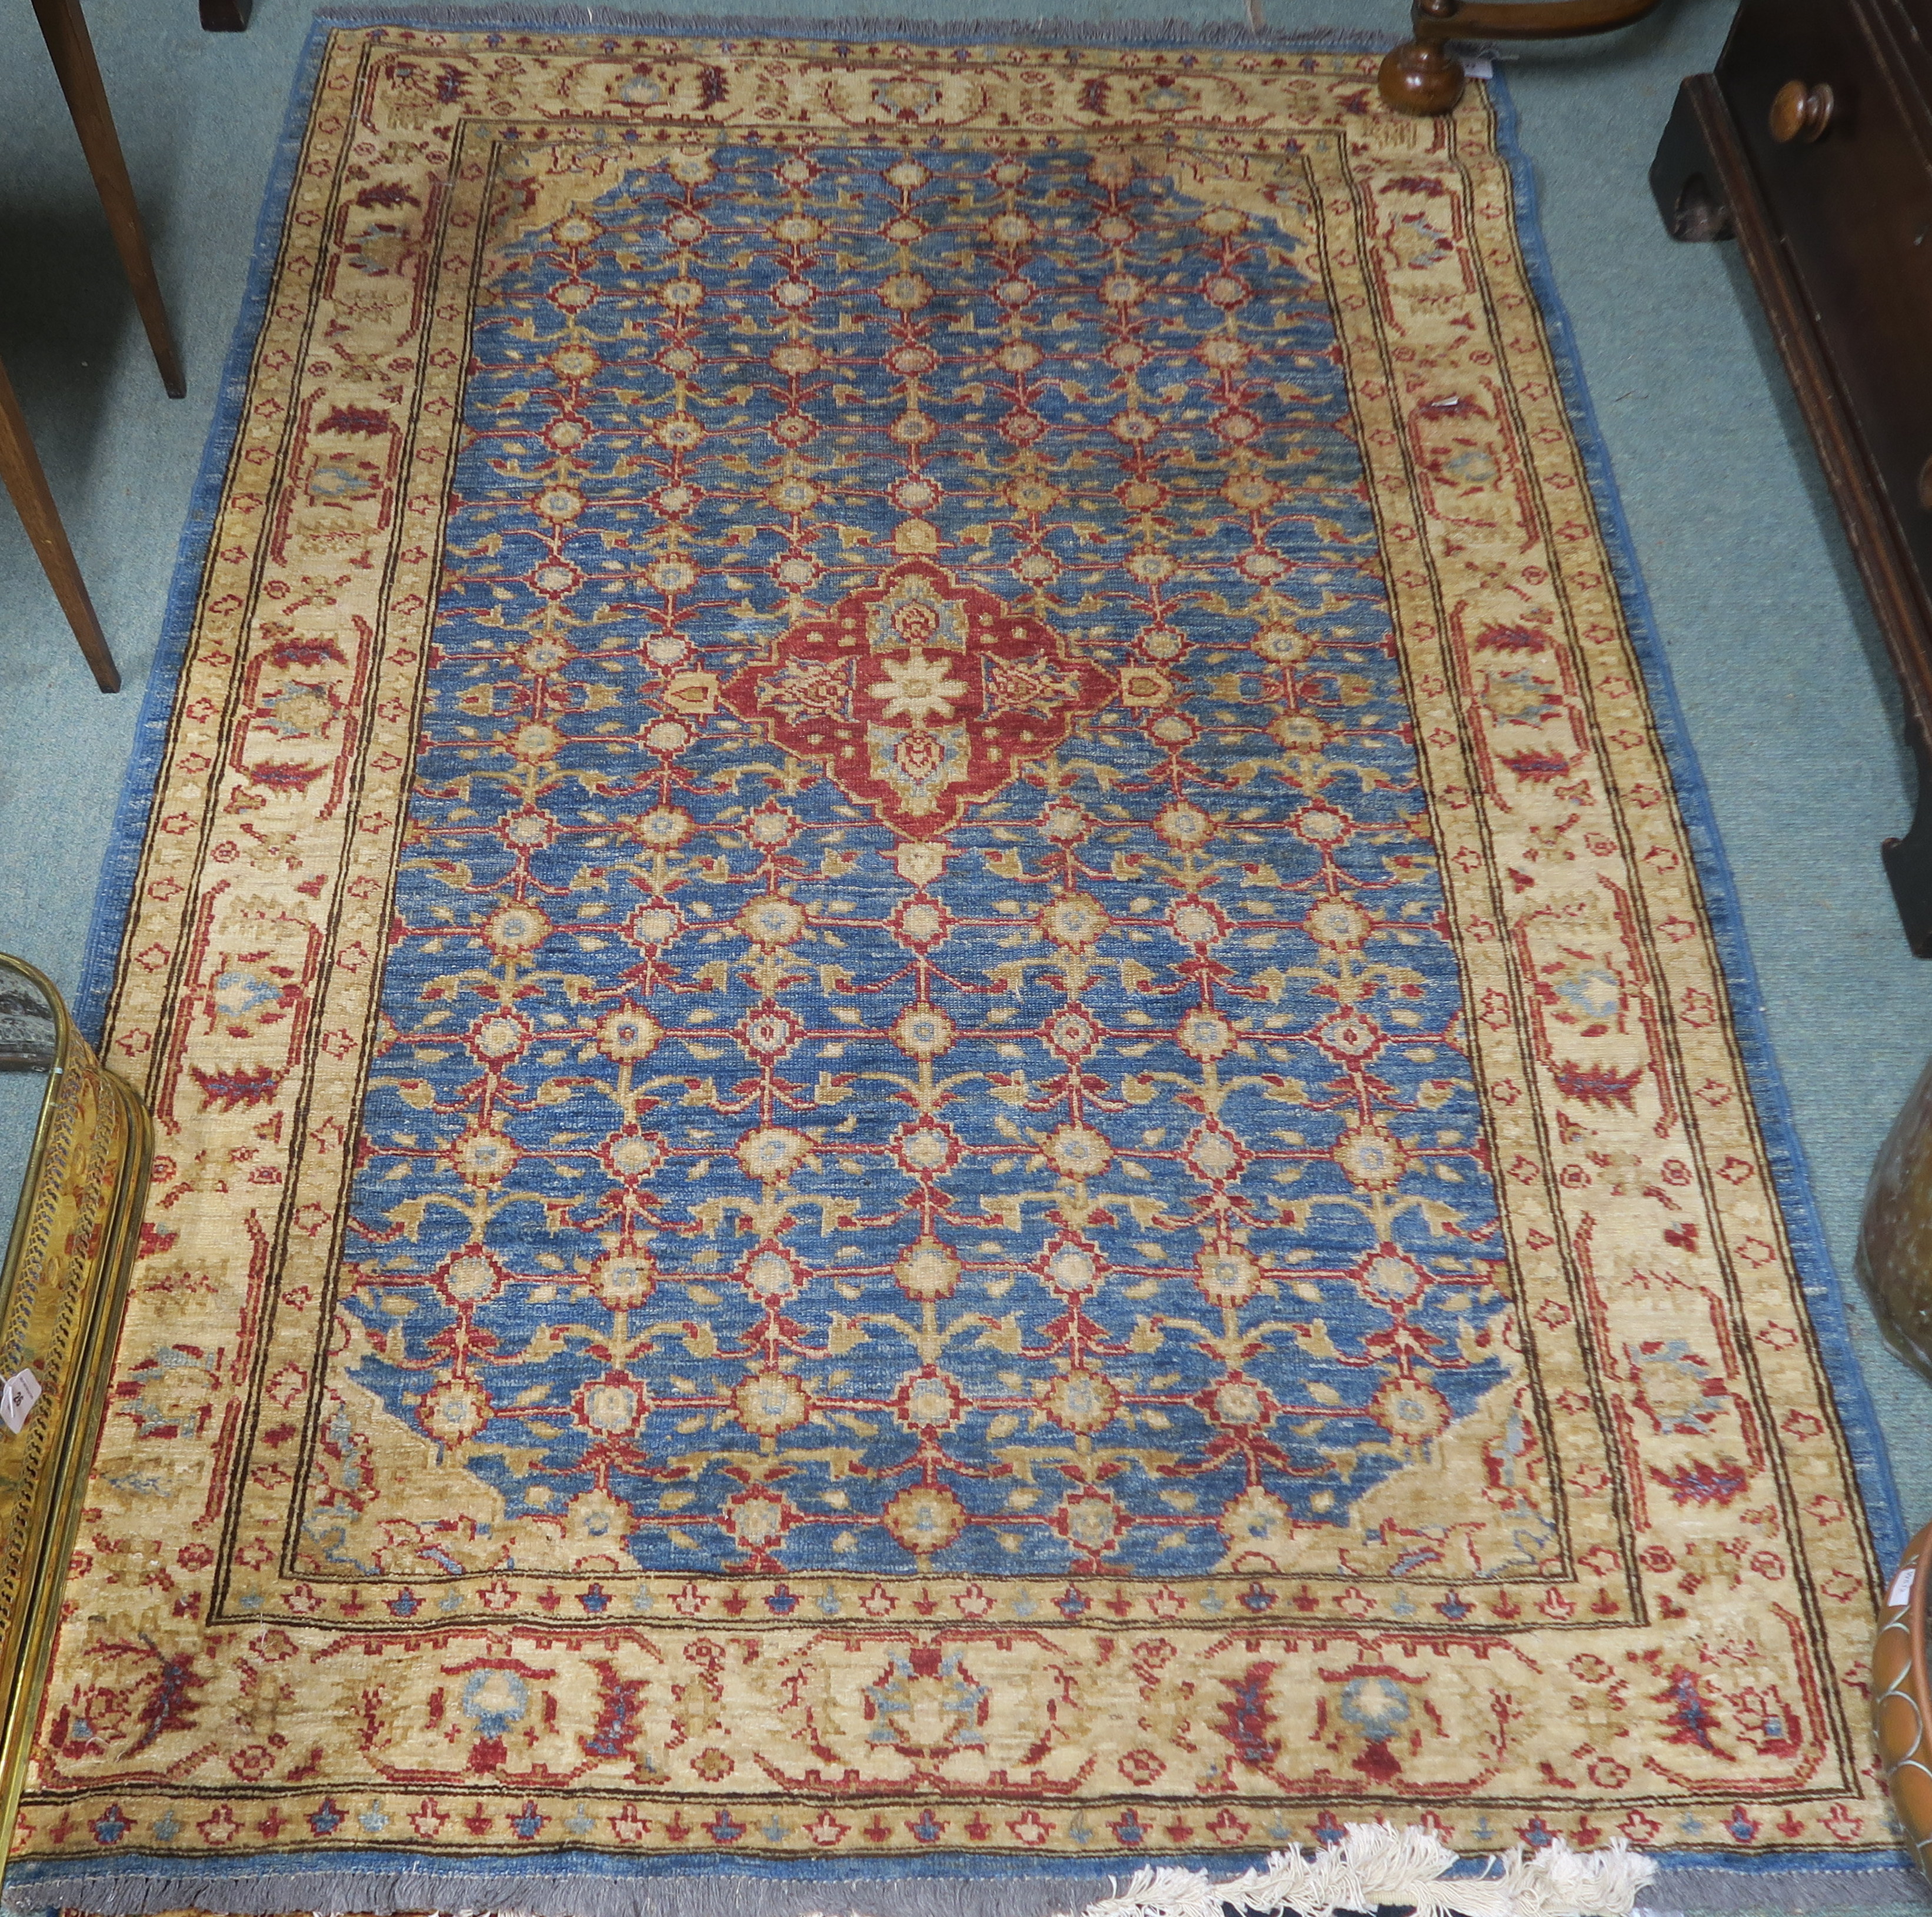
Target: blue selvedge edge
[534,1860]
[522,1865]
[407,1868]
[1819,1280]
[1818,1277]
[114,894]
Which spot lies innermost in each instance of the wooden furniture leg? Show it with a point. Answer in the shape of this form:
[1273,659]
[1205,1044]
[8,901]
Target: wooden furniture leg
[1422,75]
[26,483]
[65,32]
[225,15]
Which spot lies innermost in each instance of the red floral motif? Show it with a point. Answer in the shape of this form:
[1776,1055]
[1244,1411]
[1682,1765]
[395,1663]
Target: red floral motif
[919,694]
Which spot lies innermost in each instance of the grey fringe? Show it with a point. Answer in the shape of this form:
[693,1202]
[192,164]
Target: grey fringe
[1688,1891]
[1679,1891]
[530,1894]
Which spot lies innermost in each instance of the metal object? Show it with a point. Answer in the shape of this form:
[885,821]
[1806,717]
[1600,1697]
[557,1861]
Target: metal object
[62,1287]
[1894,1261]
[1901,1708]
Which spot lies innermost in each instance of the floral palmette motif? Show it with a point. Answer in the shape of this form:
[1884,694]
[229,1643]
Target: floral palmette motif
[919,695]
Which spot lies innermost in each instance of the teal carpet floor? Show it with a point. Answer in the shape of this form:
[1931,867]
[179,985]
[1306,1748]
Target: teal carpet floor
[1775,656]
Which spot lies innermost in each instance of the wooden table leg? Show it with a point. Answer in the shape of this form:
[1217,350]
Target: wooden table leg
[26,482]
[225,15]
[65,32]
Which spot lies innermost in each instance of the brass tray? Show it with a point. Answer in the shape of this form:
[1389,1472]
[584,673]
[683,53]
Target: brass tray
[75,1232]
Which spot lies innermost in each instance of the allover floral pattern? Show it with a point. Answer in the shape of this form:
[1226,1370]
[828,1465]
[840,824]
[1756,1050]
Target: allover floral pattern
[937,1067]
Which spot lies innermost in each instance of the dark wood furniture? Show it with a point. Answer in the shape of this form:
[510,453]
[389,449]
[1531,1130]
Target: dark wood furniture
[1422,75]
[226,15]
[1811,145]
[72,52]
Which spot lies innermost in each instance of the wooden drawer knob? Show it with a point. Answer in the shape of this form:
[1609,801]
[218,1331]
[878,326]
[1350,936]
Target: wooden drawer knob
[1801,111]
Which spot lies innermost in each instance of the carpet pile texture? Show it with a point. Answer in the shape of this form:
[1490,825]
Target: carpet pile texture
[947,1072]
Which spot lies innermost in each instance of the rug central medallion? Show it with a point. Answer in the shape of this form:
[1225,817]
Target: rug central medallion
[921,694]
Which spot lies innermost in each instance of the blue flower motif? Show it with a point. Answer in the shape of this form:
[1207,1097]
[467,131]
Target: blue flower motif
[1375,1706]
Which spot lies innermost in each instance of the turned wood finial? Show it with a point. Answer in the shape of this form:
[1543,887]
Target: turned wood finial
[1420,76]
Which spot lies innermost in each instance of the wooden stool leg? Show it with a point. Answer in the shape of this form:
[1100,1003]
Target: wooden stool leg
[26,482]
[65,32]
